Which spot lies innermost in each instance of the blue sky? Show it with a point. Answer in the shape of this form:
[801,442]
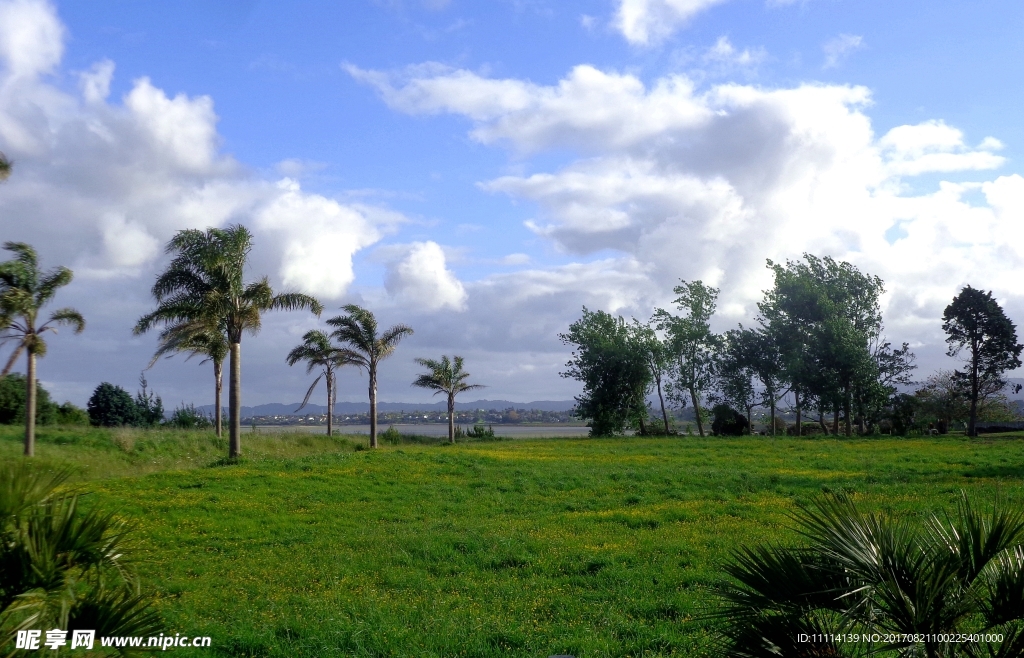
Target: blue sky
[482,170]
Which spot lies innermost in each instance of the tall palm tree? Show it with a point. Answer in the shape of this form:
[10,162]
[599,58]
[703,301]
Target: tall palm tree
[445,377]
[204,283]
[367,348]
[24,291]
[878,576]
[318,352]
[197,339]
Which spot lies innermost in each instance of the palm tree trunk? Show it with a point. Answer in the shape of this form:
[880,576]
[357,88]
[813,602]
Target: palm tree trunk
[373,407]
[30,406]
[218,377]
[330,407]
[451,419]
[235,402]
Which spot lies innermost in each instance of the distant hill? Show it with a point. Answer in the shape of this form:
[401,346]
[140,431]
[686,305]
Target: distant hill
[343,408]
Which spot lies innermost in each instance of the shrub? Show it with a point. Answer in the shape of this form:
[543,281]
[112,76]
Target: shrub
[65,566]
[12,402]
[187,417]
[727,421]
[478,432]
[112,406]
[151,407]
[880,574]
[391,435]
[69,414]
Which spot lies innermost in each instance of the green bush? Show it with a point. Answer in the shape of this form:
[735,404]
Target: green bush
[391,435]
[69,414]
[479,432]
[728,422]
[12,402]
[112,406]
[187,417]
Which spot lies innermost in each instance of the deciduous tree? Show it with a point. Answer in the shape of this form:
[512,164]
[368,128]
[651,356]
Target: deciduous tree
[692,345]
[611,363]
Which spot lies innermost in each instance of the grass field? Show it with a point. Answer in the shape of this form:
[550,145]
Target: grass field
[593,547]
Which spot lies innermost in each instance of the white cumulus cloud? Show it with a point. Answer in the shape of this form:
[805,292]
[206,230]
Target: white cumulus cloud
[675,183]
[418,276]
[645,22]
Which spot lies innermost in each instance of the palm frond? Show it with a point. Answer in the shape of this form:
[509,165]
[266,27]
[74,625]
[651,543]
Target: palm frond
[69,317]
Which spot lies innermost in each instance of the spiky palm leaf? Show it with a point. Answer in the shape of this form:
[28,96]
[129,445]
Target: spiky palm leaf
[64,566]
[877,573]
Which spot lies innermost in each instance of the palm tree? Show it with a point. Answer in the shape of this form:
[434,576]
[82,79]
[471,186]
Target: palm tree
[869,574]
[445,377]
[65,566]
[24,291]
[204,283]
[316,349]
[366,348]
[196,339]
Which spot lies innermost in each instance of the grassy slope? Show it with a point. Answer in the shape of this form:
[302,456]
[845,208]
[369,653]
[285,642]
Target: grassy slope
[586,547]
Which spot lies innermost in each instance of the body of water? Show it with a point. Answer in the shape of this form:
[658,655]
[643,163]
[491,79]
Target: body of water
[434,429]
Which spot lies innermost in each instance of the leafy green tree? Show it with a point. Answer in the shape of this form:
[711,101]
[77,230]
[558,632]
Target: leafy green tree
[826,315]
[12,401]
[367,347]
[318,352]
[611,363]
[657,355]
[149,404]
[692,345]
[880,574]
[112,406]
[975,321]
[65,566]
[69,414]
[734,375]
[205,284]
[942,399]
[445,377]
[205,338]
[24,291]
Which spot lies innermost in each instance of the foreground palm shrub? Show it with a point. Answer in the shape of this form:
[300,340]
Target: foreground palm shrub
[62,566]
[877,584]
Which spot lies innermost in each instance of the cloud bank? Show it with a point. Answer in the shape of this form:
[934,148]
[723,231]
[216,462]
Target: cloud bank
[670,182]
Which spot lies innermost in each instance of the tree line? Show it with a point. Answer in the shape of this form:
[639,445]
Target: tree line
[204,306]
[817,345]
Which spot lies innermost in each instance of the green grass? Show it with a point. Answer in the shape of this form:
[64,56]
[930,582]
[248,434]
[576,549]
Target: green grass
[592,547]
